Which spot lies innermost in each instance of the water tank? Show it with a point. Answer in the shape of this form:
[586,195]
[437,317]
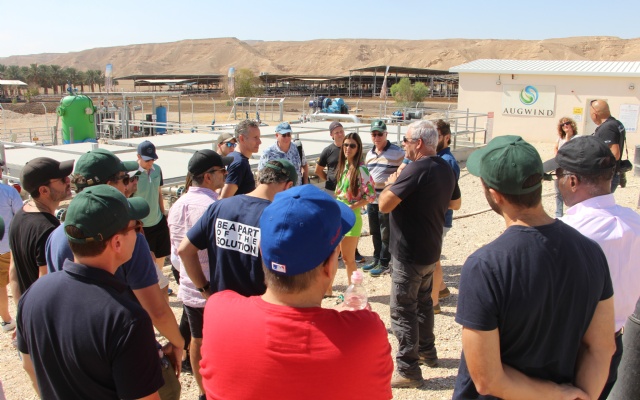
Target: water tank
[77,113]
[161,120]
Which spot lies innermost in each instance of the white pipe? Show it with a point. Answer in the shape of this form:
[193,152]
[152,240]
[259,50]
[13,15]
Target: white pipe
[325,116]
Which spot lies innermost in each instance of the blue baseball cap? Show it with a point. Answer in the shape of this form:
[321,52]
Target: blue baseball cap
[300,229]
[147,151]
[283,127]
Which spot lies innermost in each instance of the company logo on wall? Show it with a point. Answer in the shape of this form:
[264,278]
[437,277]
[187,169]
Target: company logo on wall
[528,100]
[529,95]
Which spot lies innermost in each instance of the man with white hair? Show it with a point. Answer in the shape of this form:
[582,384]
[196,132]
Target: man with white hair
[417,199]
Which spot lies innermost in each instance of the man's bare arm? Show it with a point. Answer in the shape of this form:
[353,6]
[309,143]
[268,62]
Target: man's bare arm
[27,364]
[320,172]
[305,174]
[388,201]
[615,149]
[598,345]
[490,376]
[189,256]
[228,190]
[455,204]
[13,279]
[152,300]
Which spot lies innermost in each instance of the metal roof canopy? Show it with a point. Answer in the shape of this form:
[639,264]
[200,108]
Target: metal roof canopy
[401,70]
[551,67]
[200,78]
[9,82]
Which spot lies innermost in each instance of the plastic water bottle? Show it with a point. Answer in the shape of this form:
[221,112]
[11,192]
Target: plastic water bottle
[355,298]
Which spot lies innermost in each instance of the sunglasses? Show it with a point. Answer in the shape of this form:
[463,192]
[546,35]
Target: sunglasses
[213,171]
[288,134]
[350,145]
[378,134]
[124,178]
[137,227]
[404,139]
[231,144]
[565,123]
[134,178]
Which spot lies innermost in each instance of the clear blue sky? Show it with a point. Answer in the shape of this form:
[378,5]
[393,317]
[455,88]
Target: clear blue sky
[38,26]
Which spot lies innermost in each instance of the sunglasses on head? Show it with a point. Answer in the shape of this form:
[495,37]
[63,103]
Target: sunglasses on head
[378,134]
[350,145]
[230,144]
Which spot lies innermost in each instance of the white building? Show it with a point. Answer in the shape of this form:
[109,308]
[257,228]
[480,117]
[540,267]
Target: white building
[528,97]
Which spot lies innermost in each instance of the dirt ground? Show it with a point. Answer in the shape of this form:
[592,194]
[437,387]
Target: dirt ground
[474,226]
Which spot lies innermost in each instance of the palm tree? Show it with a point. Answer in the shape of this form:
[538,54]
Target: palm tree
[92,78]
[44,77]
[71,75]
[82,80]
[3,69]
[57,78]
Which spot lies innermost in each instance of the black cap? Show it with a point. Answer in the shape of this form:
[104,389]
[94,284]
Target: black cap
[203,160]
[334,125]
[39,171]
[586,155]
[147,151]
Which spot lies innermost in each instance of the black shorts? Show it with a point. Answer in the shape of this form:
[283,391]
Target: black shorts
[196,319]
[158,238]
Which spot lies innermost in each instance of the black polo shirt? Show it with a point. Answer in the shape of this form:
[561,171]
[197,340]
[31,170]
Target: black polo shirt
[87,337]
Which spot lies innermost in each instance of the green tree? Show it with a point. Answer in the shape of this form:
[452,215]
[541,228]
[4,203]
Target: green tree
[92,78]
[247,84]
[405,93]
[57,79]
[44,78]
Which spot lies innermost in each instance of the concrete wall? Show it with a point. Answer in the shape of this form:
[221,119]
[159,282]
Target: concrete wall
[480,93]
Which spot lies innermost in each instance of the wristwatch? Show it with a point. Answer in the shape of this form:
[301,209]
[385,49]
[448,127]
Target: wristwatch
[205,288]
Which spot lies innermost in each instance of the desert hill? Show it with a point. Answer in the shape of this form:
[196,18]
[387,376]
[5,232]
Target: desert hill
[327,57]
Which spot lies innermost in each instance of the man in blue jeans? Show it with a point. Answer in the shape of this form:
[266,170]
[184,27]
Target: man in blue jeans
[382,161]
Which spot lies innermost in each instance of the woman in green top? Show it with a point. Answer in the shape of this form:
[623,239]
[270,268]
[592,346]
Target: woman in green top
[355,188]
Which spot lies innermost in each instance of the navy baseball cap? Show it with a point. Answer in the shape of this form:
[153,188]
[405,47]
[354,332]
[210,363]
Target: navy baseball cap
[147,151]
[300,229]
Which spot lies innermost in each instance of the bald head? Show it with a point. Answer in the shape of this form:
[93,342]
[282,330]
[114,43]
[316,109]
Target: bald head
[599,111]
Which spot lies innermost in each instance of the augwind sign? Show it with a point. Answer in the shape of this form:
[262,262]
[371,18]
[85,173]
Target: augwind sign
[528,100]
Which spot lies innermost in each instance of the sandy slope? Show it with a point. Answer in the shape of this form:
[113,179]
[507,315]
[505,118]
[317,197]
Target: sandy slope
[327,57]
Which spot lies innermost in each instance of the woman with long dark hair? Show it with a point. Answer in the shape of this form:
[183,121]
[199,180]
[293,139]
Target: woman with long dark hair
[355,188]
[567,130]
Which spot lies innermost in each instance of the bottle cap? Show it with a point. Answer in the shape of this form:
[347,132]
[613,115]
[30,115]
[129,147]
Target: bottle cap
[357,276]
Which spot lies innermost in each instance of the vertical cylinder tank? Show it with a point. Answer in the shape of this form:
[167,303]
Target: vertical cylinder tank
[77,114]
[161,120]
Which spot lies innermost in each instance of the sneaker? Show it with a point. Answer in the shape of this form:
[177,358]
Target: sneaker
[370,266]
[380,270]
[202,397]
[186,366]
[436,309]
[8,326]
[359,257]
[400,382]
[444,293]
[429,361]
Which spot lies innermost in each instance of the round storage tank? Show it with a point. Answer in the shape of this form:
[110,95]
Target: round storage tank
[77,114]
[161,120]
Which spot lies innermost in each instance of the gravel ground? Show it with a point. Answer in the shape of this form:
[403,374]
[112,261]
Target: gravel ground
[474,225]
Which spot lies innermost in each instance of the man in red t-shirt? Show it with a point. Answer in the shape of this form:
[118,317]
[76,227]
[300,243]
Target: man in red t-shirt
[283,345]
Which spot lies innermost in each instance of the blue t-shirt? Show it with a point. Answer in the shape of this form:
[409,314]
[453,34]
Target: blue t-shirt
[239,173]
[230,231]
[539,286]
[446,155]
[139,272]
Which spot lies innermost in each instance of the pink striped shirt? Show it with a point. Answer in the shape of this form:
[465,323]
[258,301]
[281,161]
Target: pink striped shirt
[184,213]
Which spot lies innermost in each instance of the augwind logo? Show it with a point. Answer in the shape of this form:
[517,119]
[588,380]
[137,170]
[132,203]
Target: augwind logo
[529,95]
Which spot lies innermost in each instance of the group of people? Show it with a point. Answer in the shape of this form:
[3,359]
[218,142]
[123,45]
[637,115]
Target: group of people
[254,261]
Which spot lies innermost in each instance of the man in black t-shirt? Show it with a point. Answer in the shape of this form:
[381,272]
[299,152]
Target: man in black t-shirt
[329,158]
[48,183]
[417,199]
[611,131]
[240,178]
[536,304]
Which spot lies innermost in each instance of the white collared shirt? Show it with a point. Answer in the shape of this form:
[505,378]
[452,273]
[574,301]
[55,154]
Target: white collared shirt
[617,230]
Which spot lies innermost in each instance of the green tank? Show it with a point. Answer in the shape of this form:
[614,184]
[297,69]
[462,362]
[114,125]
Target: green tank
[77,112]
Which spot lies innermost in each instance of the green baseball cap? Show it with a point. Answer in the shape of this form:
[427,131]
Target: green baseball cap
[505,163]
[99,165]
[287,168]
[99,212]
[378,125]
